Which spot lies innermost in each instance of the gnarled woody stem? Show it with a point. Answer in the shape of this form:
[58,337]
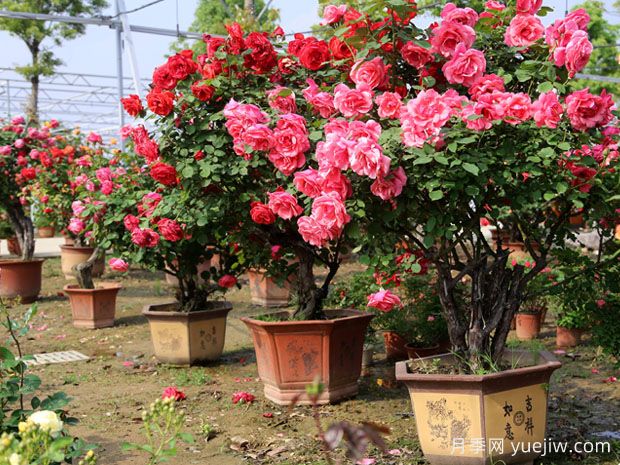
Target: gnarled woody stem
[84,271]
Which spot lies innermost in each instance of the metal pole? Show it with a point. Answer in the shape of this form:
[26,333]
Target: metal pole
[8,96]
[119,76]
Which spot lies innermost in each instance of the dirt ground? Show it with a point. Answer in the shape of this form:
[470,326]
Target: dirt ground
[110,390]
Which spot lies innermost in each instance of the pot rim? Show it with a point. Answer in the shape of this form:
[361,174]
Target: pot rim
[410,345]
[548,362]
[220,306]
[352,314]
[74,247]
[17,261]
[107,286]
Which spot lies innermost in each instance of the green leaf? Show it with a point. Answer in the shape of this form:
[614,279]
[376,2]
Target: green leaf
[435,195]
[188,171]
[186,437]
[471,168]
[545,87]
[422,160]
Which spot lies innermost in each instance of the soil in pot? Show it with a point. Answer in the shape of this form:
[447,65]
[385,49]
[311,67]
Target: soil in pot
[187,338]
[566,337]
[395,346]
[93,308]
[71,255]
[292,354]
[21,279]
[528,326]
[504,409]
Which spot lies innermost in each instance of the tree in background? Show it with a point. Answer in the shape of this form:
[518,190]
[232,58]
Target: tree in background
[33,33]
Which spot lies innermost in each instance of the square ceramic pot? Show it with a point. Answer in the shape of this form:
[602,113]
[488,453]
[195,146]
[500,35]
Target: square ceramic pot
[93,308]
[187,338]
[291,354]
[480,419]
[266,292]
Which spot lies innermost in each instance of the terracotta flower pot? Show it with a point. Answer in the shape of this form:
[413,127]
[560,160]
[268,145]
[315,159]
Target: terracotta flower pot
[498,410]
[13,246]
[71,255]
[528,326]
[266,292]
[69,241]
[93,308]
[21,279]
[395,346]
[46,231]
[415,353]
[565,337]
[182,338]
[292,354]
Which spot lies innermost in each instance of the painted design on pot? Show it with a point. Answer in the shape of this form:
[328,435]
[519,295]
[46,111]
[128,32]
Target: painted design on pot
[208,338]
[444,423]
[168,339]
[308,359]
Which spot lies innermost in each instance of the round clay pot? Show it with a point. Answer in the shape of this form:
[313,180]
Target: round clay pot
[46,232]
[395,346]
[21,279]
[566,337]
[415,353]
[13,246]
[93,308]
[528,326]
[71,255]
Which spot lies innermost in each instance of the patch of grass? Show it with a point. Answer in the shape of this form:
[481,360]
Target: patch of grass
[192,378]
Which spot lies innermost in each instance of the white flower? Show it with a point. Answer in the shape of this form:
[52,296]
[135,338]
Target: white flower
[15,459]
[47,421]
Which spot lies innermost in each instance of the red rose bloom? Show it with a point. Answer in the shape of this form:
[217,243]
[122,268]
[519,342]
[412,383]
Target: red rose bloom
[164,173]
[181,65]
[170,230]
[261,213]
[416,55]
[144,238]
[163,78]
[173,392]
[28,174]
[243,398]
[132,105]
[314,54]
[235,41]
[339,49]
[227,281]
[202,91]
[160,103]
[262,57]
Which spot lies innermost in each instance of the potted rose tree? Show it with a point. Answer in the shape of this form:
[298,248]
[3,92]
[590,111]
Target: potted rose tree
[19,144]
[487,128]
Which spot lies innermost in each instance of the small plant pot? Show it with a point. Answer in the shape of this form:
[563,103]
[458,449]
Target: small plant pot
[506,409]
[395,346]
[12,244]
[93,308]
[415,353]
[566,337]
[45,232]
[71,255]
[21,279]
[187,338]
[528,326]
[266,292]
[292,354]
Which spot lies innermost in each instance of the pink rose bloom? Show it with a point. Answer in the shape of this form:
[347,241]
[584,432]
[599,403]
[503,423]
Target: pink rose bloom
[371,73]
[104,174]
[241,116]
[284,205]
[131,222]
[577,52]
[353,102]
[587,111]
[423,117]
[448,35]
[465,67]
[486,84]
[312,231]
[290,142]
[18,120]
[19,143]
[294,122]
[518,108]
[336,128]
[117,264]
[367,159]
[145,238]
[94,138]
[472,116]
[384,300]
[370,129]
[547,110]
[330,212]
[259,137]
[77,207]
[227,281]
[287,164]
[333,154]
[282,100]
[466,16]
[76,225]
[529,7]
[391,185]
[523,31]
[494,5]
[322,102]
[107,187]
[126,131]
[333,13]
[174,393]
[5,150]
[334,181]
[389,105]
[34,154]
[308,182]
